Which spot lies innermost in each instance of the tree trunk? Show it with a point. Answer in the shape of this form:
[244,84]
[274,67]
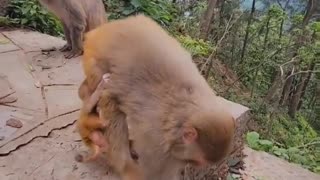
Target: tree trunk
[266,35]
[297,95]
[306,83]
[233,48]
[286,89]
[310,10]
[207,19]
[221,5]
[294,103]
[217,34]
[247,31]
[273,92]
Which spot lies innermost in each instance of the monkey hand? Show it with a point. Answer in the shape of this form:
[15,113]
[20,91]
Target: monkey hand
[98,139]
[94,98]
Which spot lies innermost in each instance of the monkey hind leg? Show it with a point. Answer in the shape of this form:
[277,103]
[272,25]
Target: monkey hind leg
[96,152]
[73,53]
[76,36]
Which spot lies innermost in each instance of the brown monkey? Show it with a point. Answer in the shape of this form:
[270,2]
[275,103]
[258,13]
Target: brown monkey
[118,151]
[89,121]
[92,121]
[90,124]
[174,116]
[116,144]
[77,17]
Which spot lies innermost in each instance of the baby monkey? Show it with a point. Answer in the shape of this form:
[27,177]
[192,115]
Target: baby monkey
[90,125]
[104,129]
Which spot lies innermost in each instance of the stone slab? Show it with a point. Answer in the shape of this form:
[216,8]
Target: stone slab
[5,87]
[29,119]
[54,69]
[52,158]
[261,165]
[62,99]
[6,45]
[41,130]
[237,110]
[29,96]
[32,40]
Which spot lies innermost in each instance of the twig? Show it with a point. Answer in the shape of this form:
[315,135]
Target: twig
[259,65]
[308,144]
[226,31]
[291,61]
[301,72]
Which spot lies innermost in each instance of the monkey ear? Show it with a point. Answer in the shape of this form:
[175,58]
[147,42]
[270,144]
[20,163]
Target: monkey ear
[190,135]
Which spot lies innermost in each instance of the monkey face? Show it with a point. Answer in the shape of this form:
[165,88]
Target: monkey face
[205,139]
[187,148]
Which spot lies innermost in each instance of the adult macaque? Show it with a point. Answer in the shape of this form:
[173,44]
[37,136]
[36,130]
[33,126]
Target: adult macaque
[77,17]
[174,116]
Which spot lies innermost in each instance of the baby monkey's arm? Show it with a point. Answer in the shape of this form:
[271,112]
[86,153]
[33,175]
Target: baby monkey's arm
[93,100]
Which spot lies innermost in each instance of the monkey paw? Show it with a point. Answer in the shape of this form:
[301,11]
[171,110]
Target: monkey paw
[64,48]
[73,54]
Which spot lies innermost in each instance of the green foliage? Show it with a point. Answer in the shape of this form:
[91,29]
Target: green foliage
[254,141]
[306,156]
[5,21]
[195,46]
[31,14]
[161,11]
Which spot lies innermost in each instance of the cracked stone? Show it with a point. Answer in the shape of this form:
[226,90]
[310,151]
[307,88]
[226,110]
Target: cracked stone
[32,40]
[22,81]
[54,69]
[62,99]
[14,123]
[6,45]
[8,100]
[5,86]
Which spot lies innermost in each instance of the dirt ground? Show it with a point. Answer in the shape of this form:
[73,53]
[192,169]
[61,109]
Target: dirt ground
[39,106]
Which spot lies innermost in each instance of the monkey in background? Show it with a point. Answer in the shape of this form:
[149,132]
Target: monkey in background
[77,17]
[174,116]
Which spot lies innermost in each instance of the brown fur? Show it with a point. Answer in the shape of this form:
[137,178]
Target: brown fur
[118,151]
[89,122]
[77,17]
[174,116]
[92,121]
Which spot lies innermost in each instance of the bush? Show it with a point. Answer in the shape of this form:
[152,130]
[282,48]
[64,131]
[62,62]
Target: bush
[195,46]
[161,11]
[306,154]
[31,14]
